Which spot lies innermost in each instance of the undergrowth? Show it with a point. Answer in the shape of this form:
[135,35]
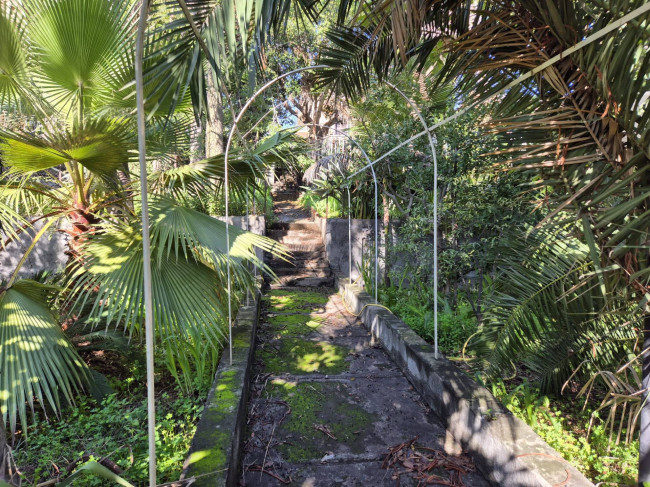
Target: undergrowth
[560,421]
[563,424]
[454,326]
[320,205]
[113,429]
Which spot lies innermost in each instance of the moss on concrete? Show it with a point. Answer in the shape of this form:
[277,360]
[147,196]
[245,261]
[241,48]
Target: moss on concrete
[316,403]
[298,356]
[213,437]
[295,324]
[284,301]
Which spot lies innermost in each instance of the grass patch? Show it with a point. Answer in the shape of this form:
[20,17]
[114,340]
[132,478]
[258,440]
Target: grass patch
[299,324]
[283,301]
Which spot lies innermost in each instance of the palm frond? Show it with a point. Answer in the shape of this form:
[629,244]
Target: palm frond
[548,312]
[77,43]
[13,60]
[188,273]
[37,359]
[101,146]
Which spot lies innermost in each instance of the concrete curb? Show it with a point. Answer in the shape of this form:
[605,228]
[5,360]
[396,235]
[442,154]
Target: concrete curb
[214,454]
[506,450]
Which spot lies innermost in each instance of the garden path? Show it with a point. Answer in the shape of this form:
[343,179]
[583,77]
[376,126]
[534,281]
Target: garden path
[329,407]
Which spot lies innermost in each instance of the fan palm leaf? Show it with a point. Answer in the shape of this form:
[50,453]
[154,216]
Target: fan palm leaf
[188,275]
[37,359]
[77,44]
[13,60]
[101,146]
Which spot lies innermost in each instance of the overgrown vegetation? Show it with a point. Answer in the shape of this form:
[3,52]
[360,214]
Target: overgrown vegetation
[565,426]
[543,188]
[111,432]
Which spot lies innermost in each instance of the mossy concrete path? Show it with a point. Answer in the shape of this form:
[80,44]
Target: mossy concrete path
[329,408]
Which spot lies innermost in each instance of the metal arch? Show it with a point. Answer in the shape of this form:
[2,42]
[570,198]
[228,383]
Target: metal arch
[432,146]
[226,186]
[347,187]
[365,154]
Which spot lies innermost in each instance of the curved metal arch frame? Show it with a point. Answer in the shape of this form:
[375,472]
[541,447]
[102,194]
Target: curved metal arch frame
[432,146]
[370,165]
[365,154]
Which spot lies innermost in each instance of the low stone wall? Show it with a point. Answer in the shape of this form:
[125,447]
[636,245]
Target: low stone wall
[508,451]
[214,456]
[335,231]
[49,252]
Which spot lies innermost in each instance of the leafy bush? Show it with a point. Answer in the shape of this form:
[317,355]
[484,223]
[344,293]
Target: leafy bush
[311,201]
[564,427]
[114,429]
[415,307]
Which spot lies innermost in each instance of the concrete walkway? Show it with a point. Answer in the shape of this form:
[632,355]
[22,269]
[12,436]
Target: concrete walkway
[328,407]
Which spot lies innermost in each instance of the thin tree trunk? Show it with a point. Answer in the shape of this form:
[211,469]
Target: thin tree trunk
[4,471]
[387,239]
[214,123]
[644,430]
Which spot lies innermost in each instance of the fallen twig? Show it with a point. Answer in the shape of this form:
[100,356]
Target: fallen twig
[260,468]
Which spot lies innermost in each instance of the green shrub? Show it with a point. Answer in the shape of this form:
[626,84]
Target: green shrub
[414,307]
[115,429]
[311,201]
[564,427]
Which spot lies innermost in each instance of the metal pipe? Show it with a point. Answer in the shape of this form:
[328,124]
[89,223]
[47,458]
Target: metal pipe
[374,177]
[432,146]
[146,248]
[226,185]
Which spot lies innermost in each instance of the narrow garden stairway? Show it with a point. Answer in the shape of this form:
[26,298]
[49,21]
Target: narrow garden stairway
[327,406]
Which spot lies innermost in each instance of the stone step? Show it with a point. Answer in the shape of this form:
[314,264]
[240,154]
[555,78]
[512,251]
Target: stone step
[292,281]
[292,271]
[300,256]
[299,264]
[288,241]
[276,234]
[309,247]
[299,226]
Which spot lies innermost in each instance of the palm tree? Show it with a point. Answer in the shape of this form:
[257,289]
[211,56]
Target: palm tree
[66,152]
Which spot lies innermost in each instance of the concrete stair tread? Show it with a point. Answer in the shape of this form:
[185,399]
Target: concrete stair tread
[304,248]
[292,281]
[295,225]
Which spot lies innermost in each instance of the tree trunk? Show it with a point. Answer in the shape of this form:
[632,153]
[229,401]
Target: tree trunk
[644,429]
[214,123]
[7,468]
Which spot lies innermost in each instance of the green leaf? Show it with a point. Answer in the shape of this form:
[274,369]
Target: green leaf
[102,147]
[79,43]
[13,65]
[96,470]
[37,359]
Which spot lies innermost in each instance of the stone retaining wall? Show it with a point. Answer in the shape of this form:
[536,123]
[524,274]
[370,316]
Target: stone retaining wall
[508,451]
[215,451]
